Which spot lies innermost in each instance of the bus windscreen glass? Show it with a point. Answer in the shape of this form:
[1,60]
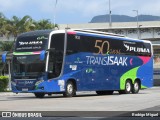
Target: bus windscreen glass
[28,65]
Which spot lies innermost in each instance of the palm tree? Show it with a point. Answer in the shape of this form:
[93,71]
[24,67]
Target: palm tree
[13,26]
[3,23]
[26,24]
[44,24]
[17,25]
[6,46]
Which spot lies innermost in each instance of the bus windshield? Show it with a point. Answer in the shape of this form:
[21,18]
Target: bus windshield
[28,65]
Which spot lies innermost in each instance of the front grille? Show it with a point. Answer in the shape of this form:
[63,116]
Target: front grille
[21,87]
[25,77]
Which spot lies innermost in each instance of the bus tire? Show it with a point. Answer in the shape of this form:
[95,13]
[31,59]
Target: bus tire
[128,88]
[39,95]
[70,90]
[135,87]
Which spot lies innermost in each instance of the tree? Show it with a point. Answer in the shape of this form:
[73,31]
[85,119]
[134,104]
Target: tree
[6,46]
[17,25]
[44,24]
[3,24]
[26,24]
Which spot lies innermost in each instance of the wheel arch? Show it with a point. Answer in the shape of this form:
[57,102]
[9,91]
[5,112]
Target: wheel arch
[122,83]
[127,87]
[133,80]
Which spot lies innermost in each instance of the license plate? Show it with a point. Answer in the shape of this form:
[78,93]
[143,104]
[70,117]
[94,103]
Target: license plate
[24,89]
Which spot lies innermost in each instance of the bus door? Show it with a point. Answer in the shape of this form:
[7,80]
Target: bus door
[56,55]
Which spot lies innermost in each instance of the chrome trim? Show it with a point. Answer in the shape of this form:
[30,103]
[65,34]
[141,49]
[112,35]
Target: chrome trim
[64,53]
[47,59]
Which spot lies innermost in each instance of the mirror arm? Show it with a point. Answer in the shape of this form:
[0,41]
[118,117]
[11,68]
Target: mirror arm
[51,49]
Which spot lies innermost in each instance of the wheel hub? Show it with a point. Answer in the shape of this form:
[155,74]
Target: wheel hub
[70,88]
[136,86]
[128,87]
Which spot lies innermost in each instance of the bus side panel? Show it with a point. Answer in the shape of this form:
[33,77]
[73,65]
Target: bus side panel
[145,72]
[103,62]
[92,72]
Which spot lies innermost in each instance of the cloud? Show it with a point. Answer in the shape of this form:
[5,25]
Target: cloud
[21,8]
[11,5]
[76,10]
[82,7]
[73,9]
[150,7]
[126,7]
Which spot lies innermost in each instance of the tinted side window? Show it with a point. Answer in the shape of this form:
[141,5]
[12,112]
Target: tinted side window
[82,43]
[57,42]
[77,44]
[56,56]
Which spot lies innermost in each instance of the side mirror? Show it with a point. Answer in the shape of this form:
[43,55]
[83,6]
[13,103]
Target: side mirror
[4,57]
[42,55]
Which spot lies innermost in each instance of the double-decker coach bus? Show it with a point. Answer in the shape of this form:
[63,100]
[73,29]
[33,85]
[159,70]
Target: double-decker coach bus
[66,61]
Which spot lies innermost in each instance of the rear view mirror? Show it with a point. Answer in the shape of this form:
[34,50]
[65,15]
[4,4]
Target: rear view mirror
[42,55]
[4,57]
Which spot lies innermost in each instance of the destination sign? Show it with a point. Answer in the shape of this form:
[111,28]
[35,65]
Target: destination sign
[31,43]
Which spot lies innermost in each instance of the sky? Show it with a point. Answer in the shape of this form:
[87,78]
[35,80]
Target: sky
[76,11]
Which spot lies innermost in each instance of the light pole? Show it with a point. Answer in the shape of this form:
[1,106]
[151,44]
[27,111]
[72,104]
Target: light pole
[55,13]
[110,19]
[137,23]
[139,36]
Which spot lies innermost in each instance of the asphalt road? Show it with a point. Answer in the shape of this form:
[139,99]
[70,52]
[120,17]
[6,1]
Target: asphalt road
[146,100]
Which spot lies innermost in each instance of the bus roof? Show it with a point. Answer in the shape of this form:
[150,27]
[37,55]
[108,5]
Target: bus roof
[109,35]
[99,32]
[91,32]
[37,32]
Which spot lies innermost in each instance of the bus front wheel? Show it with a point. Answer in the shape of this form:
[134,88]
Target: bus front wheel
[70,90]
[39,95]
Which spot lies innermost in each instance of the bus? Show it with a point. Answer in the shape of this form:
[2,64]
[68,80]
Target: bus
[67,61]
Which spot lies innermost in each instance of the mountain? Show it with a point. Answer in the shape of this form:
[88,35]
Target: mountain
[124,18]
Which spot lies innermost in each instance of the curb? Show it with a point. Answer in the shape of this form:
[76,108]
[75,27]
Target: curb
[6,93]
[12,94]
